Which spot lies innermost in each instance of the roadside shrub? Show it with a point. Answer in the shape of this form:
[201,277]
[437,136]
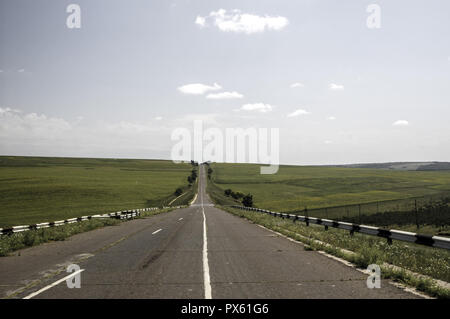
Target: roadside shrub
[178,191]
[209,172]
[247,201]
[237,195]
[194,174]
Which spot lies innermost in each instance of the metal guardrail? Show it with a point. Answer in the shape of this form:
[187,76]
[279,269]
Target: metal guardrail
[127,214]
[427,240]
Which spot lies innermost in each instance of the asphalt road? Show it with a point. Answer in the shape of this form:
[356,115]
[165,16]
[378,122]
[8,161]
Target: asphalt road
[173,255]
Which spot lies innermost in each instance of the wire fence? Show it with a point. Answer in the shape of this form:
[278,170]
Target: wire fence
[423,210]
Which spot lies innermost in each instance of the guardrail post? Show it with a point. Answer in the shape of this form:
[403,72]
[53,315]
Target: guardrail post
[307,217]
[326,227]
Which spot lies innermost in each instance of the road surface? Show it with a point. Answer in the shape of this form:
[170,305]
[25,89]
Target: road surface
[194,252]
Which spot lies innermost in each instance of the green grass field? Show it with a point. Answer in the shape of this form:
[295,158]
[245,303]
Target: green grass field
[43,189]
[297,187]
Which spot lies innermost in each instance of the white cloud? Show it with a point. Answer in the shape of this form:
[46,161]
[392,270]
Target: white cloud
[331,118]
[235,21]
[225,95]
[15,123]
[201,21]
[8,110]
[298,113]
[257,107]
[297,85]
[401,123]
[328,142]
[336,87]
[40,134]
[158,118]
[21,70]
[198,88]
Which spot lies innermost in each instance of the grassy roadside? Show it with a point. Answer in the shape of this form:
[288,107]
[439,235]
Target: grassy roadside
[366,250]
[16,241]
[41,189]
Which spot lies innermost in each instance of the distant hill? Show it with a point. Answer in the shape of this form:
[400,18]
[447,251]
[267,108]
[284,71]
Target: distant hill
[404,166]
[435,166]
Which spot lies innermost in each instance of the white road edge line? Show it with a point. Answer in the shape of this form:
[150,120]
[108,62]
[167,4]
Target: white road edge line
[206,278]
[193,200]
[34,294]
[156,231]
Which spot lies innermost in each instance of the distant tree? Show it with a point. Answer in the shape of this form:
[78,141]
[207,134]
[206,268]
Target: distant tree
[178,192]
[239,195]
[228,192]
[209,172]
[194,174]
[190,180]
[194,163]
[247,201]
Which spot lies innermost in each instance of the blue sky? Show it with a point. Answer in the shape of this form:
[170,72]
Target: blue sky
[114,87]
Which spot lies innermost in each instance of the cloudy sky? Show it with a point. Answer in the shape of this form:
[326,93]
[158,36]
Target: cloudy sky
[339,92]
